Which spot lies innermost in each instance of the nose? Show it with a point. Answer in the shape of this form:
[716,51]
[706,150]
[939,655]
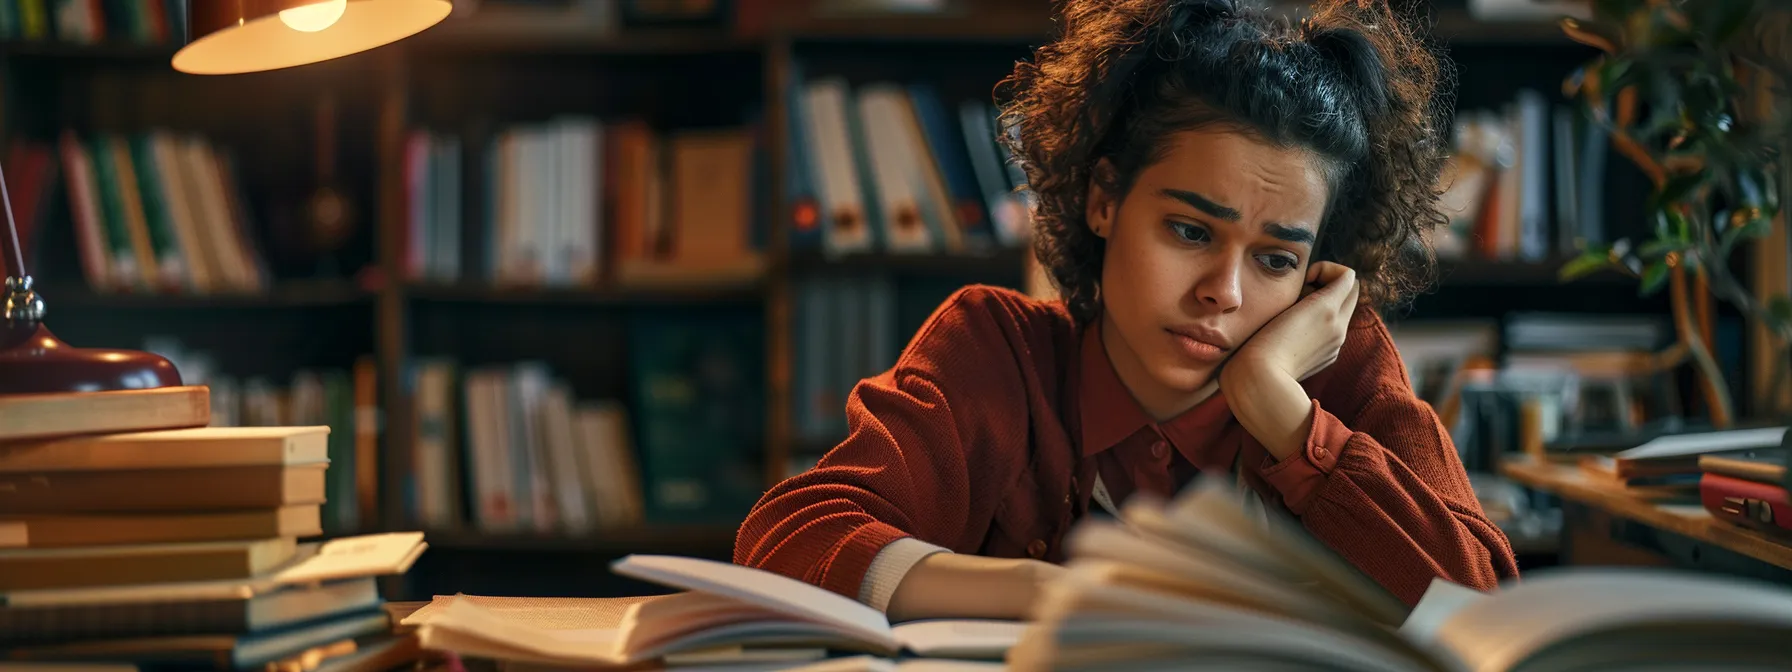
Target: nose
[1219,285]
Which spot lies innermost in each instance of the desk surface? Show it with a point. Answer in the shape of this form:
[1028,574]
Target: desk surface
[1569,482]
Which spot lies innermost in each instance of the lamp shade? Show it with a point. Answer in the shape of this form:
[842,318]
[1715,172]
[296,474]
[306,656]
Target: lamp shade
[236,36]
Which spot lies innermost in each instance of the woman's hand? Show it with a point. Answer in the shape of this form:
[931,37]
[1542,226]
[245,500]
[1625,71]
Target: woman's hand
[1262,380]
[952,585]
[1306,337]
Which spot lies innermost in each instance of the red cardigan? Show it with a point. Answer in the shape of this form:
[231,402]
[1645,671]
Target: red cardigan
[987,435]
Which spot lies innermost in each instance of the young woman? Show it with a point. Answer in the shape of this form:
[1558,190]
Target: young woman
[1223,201]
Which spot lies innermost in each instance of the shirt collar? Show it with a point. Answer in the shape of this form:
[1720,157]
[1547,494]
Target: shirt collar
[1110,414]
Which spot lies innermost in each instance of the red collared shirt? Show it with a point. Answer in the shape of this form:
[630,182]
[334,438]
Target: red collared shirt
[988,434]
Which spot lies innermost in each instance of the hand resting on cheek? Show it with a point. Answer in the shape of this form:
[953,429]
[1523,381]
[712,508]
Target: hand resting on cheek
[1306,337]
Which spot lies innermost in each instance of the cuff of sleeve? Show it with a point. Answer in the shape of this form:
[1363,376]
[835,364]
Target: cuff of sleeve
[1299,476]
[845,570]
[888,568]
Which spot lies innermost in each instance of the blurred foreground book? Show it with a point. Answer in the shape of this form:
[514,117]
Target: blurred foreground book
[1198,583]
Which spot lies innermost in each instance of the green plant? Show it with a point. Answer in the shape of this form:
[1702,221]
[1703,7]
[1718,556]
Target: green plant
[1694,93]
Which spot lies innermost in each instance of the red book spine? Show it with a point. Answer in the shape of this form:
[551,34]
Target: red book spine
[1759,505]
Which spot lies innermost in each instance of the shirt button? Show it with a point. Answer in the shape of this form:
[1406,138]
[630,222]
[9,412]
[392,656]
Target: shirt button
[1036,548]
[1319,452]
[1160,450]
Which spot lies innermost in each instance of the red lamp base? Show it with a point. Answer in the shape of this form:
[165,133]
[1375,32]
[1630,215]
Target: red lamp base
[39,363]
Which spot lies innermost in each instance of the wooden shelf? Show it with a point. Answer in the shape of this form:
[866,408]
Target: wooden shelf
[643,539]
[294,295]
[562,32]
[117,51]
[1690,520]
[995,263]
[588,296]
[997,27]
[1490,273]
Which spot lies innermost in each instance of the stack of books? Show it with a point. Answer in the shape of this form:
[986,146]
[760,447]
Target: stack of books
[192,547]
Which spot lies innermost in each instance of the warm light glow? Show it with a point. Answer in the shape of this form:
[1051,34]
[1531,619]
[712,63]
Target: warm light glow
[314,17]
[259,40]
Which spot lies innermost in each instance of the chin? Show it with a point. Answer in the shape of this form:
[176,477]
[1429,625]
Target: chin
[1178,374]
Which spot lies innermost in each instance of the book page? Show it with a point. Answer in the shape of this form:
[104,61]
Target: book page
[1554,606]
[1681,445]
[364,555]
[1212,509]
[959,638]
[765,589]
[547,613]
[1099,625]
[471,631]
[1442,600]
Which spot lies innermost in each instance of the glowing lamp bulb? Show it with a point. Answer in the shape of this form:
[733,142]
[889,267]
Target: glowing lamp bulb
[314,17]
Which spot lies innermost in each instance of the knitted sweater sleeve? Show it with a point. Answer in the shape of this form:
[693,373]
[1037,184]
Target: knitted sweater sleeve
[929,445]
[1378,479]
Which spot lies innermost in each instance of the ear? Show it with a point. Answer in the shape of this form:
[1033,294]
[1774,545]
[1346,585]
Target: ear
[1102,207]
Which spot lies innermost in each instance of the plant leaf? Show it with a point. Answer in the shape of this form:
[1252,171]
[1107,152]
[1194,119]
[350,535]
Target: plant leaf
[1653,277]
[1677,188]
[1588,263]
[1656,249]
[1616,74]
[1747,223]
[1598,35]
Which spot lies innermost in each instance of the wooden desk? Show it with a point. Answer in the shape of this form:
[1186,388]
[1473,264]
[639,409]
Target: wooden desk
[1602,524]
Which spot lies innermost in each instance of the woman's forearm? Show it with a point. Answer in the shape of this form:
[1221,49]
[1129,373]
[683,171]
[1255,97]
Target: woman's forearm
[951,585]
[1269,404]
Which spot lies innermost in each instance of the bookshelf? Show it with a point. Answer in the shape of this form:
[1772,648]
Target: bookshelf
[370,298]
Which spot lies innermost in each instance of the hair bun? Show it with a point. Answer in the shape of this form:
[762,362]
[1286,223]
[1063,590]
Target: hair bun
[1355,55]
[1180,16]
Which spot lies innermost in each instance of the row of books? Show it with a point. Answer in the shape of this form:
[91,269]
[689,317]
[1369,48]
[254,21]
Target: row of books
[156,211]
[887,166]
[845,330]
[87,22]
[513,448]
[185,547]
[342,399]
[576,201]
[1533,181]
[510,449]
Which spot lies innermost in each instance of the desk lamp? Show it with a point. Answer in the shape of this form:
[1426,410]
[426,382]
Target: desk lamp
[34,361]
[226,37]
[236,36]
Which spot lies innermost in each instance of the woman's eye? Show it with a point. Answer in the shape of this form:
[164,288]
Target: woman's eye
[1280,263]
[1189,232]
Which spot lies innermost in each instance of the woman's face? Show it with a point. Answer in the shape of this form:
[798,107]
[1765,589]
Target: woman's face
[1211,243]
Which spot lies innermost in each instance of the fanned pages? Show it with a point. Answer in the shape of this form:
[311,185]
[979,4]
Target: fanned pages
[1200,583]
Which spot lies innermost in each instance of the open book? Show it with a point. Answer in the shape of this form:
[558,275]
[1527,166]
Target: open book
[724,612]
[1197,583]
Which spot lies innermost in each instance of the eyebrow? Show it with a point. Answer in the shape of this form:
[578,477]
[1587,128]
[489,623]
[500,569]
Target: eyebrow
[1203,204]
[1291,234]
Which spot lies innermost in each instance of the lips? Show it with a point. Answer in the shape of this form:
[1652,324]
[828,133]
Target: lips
[1200,344]
[1201,334]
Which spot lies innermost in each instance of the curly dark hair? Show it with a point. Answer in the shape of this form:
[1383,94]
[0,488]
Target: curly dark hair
[1350,82]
